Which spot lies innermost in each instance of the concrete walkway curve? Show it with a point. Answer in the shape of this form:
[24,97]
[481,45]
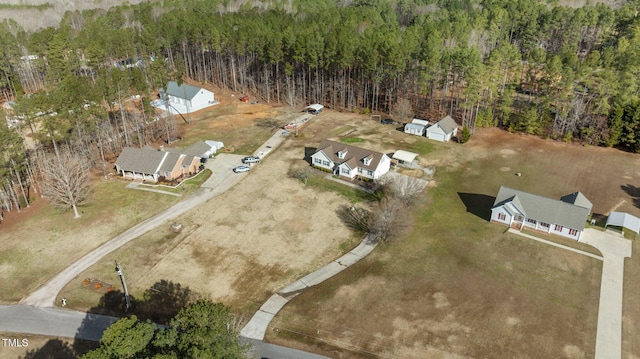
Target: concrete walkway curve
[257,326]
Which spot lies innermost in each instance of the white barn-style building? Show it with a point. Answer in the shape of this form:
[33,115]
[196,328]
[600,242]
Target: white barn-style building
[566,217]
[349,162]
[186,98]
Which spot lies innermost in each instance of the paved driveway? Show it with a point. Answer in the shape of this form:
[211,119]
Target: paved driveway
[614,250]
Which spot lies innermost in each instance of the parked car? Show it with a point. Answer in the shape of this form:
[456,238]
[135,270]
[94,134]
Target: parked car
[388,121]
[241,169]
[250,159]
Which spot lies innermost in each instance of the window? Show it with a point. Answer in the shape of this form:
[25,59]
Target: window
[317,161]
[359,170]
[345,171]
[502,216]
[545,225]
[531,221]
[518,218]
[367,161]
[573,232]
[326,163]
[370,173]
[557,228]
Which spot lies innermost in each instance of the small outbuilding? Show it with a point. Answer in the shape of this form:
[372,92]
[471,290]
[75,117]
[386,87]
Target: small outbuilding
[415,129]
[315,109]
[621,219]
[404,157]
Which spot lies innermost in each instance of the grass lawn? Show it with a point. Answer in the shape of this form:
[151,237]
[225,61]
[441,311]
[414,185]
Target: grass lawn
[456,285]
[56,239]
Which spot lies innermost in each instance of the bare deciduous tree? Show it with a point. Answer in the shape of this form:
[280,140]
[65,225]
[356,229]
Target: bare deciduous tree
[385,219]
[302,174]
[402,109]
[403,188]
[357,219]
[65,179]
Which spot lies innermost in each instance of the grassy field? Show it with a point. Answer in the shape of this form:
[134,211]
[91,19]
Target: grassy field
[456,285]
[45,242]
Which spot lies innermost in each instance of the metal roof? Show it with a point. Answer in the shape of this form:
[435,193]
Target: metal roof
[316,107]
[544,209]
[405,156]
[415,126]
[625,220]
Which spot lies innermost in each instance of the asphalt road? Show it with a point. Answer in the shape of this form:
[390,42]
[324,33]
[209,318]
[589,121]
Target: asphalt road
[73,324]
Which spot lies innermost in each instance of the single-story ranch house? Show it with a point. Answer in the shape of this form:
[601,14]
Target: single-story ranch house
[349,161]
[148,164]
[443,130]
[565,217]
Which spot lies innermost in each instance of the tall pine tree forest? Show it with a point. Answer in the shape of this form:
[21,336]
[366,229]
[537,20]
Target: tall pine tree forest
[533,66]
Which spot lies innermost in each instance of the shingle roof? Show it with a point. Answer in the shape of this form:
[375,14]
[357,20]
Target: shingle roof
[578,199]
[170,161]
[140,160]
[183,91]
[197,149]
[544,209]
[448,124]
[354,157]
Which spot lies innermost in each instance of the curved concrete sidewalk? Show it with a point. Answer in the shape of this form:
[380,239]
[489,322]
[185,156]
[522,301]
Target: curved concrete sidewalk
[257,326]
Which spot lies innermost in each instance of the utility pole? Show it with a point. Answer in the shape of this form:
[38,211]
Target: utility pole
[124,284]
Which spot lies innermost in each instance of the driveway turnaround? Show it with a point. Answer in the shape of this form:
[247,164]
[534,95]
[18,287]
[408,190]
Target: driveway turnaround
[614,250]
[257,326]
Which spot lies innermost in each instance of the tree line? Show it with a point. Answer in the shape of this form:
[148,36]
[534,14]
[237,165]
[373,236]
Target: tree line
[523,65]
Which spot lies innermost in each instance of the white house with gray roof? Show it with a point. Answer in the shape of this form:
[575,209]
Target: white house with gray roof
[349,162]
[443,130]
[565,217]
[186,98]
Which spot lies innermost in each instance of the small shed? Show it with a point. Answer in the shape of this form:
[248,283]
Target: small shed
[414,129]
[621,219]
[420,121]
[404,157]
[315,109]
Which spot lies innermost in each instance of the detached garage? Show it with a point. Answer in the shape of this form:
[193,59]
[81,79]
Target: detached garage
[443,130]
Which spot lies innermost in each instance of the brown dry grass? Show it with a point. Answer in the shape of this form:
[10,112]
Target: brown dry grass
[455,286]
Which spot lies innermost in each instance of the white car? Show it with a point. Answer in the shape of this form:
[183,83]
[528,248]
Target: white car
[241,169]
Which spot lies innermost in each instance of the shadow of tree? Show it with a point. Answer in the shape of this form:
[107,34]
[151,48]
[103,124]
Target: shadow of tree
[478,204]
[58,349]
[161,302]
[634,192]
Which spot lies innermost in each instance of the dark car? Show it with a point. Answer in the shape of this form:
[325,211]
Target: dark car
[388,121]
[251,159]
